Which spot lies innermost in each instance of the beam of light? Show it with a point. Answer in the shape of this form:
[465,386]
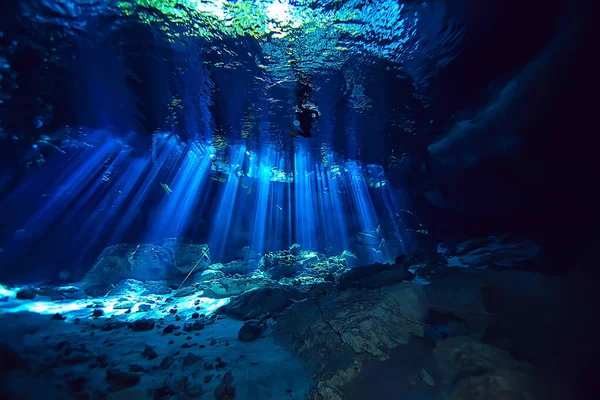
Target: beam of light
[221,223]
[188,186]
[305,204]
[363,209]
[119,188]
[70,187]
[332,211]
[396,214]
[145,182]
[259,229]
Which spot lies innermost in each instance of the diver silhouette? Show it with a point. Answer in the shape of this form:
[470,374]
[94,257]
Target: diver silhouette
[306,114]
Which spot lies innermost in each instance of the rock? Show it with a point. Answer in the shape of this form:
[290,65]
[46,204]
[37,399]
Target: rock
[249,255]
[208,378]
[144,262]
[187,255]
[480,371]
[144,307]
[190,359]
[208,275]
[125,305]
[208,366]
[149,353]
[500,385]
[167,362]
[368,255]
[425,377]
[67,289]
[308,259]
[121,380]
[136,368]
[59,317]
[156,288]
[150,261]
[3,299]
[168,329]
[142,325]
[47,291]
[173,311]
[228,287]
[185,291]
[333,333]
[195,315]
[494,252]
[11,360]
[460,356]
[279,264]
[456,303]
[225,391]
[198,325]
[251,330]
[374,276]
[98,312]
[235,267]
[111,266]
[129,394]
[26,293]
[257,302]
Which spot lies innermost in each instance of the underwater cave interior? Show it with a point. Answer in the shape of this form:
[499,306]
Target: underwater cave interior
[296,199]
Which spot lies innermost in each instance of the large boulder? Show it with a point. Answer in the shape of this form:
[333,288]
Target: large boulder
[187,255]
[208,275]
[233,267]
[479,371]
[227,287]
[495,251]
[261,301]
[337,332]
[457,297]
[369,254]
[150,261]
[143,262]
[111,267]
[374,276]
[279,264]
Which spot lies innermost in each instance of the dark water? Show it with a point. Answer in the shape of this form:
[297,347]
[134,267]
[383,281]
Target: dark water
[406,185]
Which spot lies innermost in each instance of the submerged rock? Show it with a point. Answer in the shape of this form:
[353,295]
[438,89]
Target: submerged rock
[185,291]
[146,261]
[426,377]
[336,331]
[187,255]
[120,379]
[495,252]
[208,275]
[142,325]
[374,276]
[251,330]
[26,293]
[260,301]
[279,264]
[479,371]
[123,305]
[228,287]
[225,391]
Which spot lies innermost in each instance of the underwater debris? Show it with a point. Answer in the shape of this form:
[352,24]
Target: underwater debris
[218,179]
[166,188]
